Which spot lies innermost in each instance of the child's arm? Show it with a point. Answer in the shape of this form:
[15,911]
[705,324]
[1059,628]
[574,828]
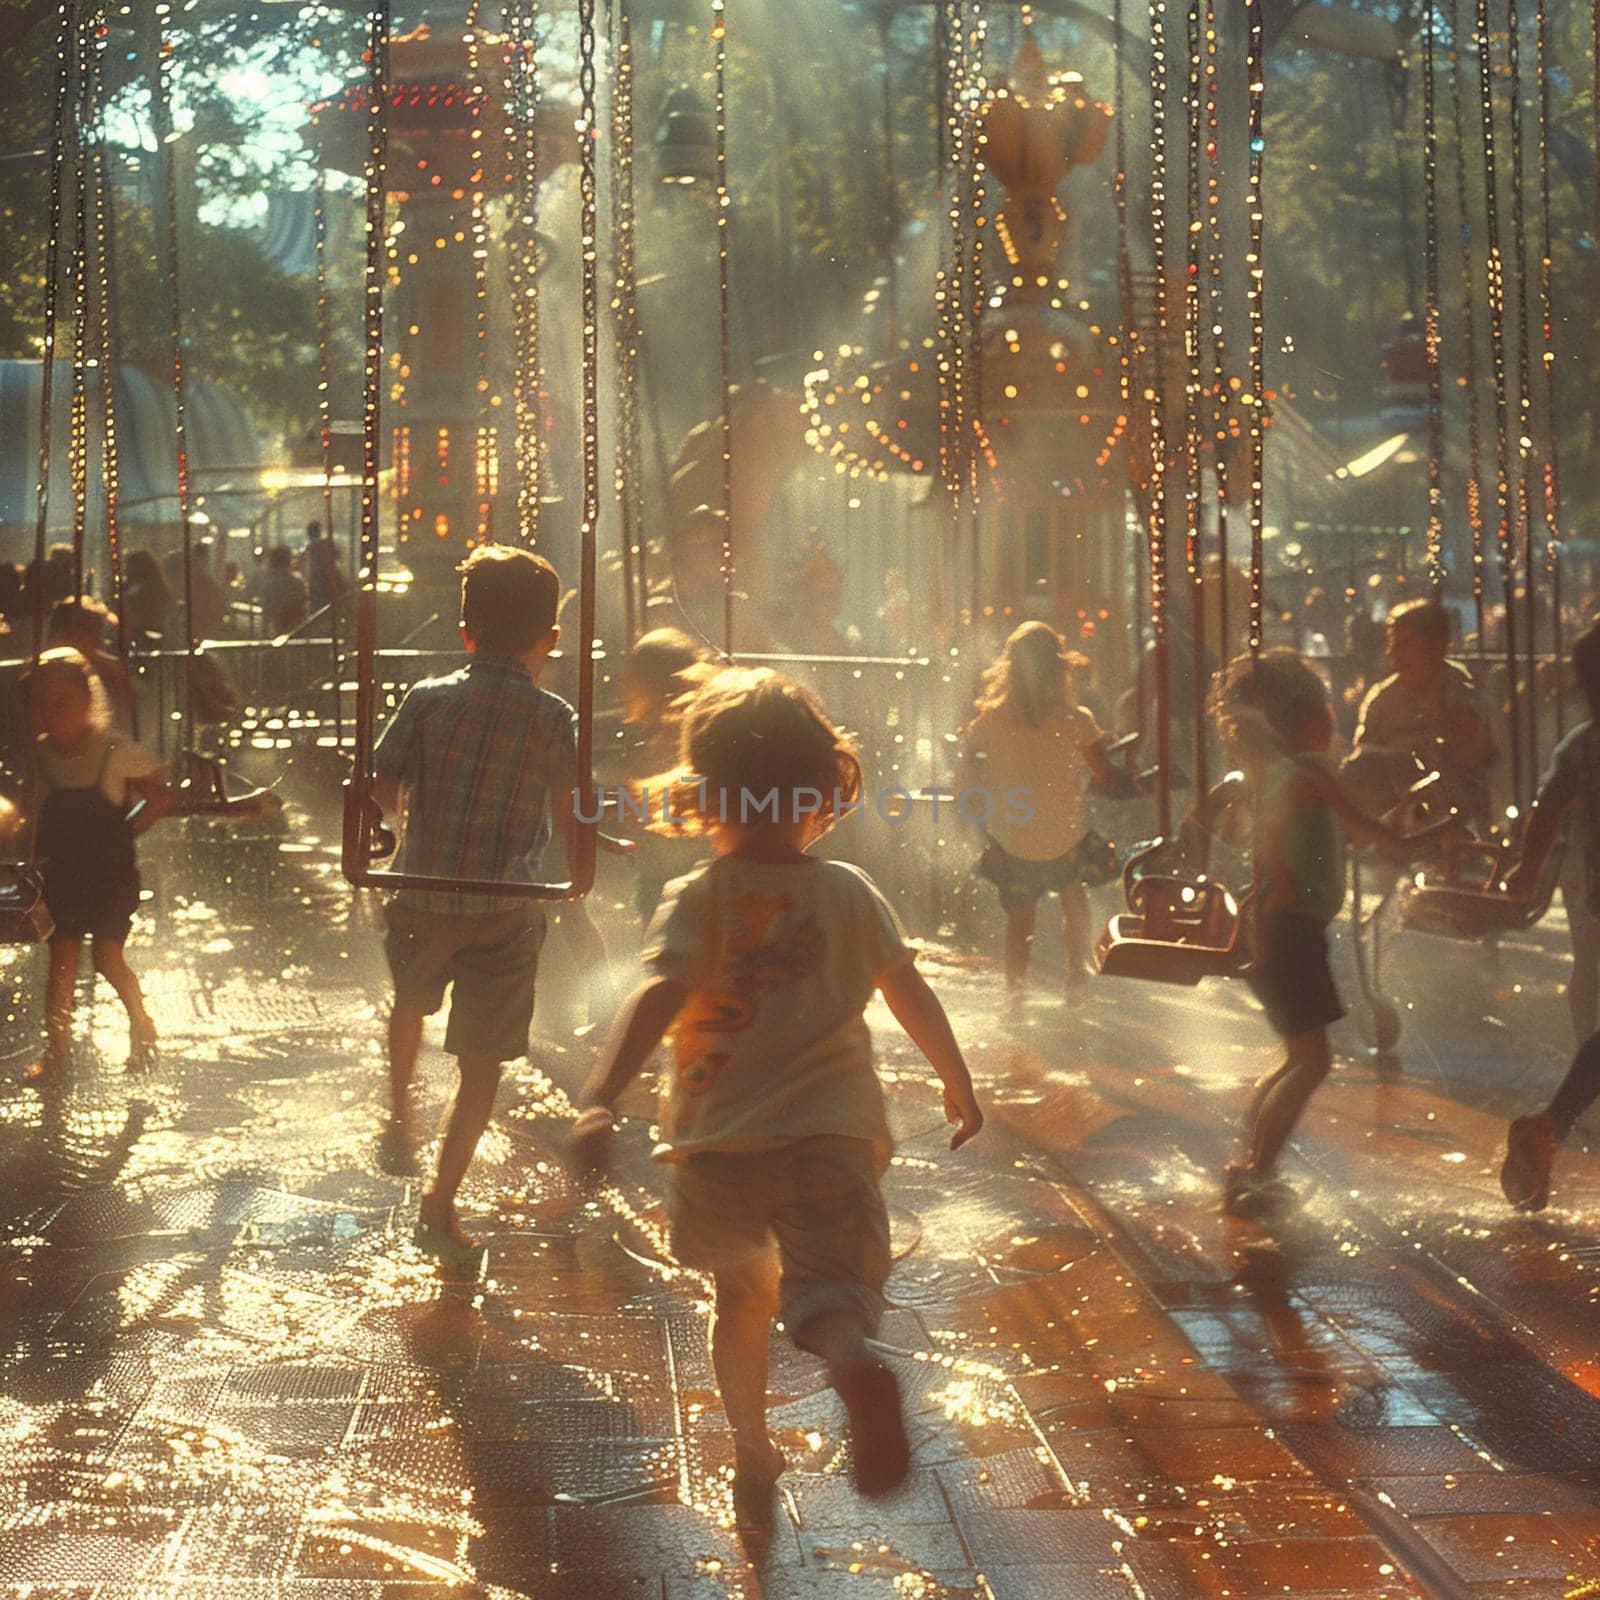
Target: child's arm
[1312,784]
[645,1017]
[1544,825]
[916,1008]
[148,800]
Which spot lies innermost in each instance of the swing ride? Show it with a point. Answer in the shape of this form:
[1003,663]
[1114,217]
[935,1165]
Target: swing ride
[1023,399]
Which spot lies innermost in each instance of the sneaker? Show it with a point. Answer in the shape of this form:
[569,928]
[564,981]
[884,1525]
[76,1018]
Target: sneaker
[755,1485]
[878,1445]
[1531,1144]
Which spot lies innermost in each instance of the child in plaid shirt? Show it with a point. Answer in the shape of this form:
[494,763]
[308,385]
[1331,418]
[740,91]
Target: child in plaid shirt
[483,758]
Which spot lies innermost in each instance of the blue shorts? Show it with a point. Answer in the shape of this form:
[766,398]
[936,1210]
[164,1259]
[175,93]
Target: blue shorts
[1292,977]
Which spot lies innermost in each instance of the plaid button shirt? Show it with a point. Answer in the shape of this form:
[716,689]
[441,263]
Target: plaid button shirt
[479,753]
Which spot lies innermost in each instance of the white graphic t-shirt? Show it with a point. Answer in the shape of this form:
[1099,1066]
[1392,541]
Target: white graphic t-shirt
[771,1046]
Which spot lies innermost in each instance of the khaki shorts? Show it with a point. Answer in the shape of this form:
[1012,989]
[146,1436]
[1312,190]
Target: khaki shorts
[492,958]
[816,1202]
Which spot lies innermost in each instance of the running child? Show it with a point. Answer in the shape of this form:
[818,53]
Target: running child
[773,1128]
[1277,724]
[1030,735]
[1572,783]
[662,669]
[482,758]
[89,774]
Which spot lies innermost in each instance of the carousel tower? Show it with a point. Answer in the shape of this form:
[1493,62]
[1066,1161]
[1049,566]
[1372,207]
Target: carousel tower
[448,431]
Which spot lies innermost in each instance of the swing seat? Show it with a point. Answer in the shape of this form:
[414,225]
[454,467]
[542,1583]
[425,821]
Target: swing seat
[24,917]
[1176,930]
[1447,901]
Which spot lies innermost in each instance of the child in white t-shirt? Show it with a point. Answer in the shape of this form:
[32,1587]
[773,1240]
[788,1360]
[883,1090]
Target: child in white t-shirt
[772,1120]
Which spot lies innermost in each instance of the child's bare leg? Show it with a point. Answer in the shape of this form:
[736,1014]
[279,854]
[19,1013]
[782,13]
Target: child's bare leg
[469,1116]
[111,962]
[840,1338]
[1583,987]
[405,1045]
[588,955]
[1019,944]
[59,986]
[871,1395]
[1075,938]
[1281,1097]
[747,1301]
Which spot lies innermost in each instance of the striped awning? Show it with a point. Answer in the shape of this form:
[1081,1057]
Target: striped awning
[225,446]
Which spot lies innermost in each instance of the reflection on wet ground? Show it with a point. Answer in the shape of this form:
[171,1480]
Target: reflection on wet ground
[228,1371]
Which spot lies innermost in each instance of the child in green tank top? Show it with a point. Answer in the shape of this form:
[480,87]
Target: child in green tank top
[1278,725]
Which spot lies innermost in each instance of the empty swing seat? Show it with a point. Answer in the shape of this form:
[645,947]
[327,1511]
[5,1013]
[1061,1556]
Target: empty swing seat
[1453,904]
[1176,930]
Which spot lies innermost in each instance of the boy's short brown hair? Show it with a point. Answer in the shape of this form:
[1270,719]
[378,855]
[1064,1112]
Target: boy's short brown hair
[509,599]
[1423,618]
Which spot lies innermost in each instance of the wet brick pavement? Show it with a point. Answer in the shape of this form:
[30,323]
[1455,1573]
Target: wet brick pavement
[225,1370]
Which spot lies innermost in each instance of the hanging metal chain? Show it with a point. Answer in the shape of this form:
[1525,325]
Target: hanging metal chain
[162,115]
[1494,284]
[1157,403]
[1469,335]
[724,203]
[624,321]
[1255,70]
[588,134]
[522,153]
[972,314]
[1547,356]
[319,215]
[1430,310]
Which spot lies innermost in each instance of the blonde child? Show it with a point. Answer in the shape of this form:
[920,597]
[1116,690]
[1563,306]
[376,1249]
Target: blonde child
[1277,724]
[663,667]
[88,776]
[773,1127]
[1033,751]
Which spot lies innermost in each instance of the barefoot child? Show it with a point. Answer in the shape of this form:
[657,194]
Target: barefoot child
[1572,781]
[773,1128]
[484,757]
[1277,724]
[1032,737]
[88,777]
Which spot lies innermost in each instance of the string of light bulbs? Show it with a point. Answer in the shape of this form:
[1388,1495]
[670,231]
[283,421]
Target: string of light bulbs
[1156,398]
[104,294]
[624,321]
[1193,384]
[162,115]
[1255,307]
[1430,309]
[1551,497]
[724,204]
[1222,424]
[485,440]
[1494,285]
[1524,415]
[522,152]
[1469,333]
[589,271]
